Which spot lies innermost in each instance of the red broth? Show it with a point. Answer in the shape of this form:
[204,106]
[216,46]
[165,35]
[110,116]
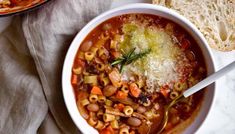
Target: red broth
[132,99]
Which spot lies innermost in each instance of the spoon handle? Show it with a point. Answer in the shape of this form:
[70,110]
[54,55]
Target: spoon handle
[212,78]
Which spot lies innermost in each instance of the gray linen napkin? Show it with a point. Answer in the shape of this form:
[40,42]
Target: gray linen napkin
[30,70]
[22,103]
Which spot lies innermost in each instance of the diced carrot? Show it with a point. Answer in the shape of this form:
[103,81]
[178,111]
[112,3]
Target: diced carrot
[121,95]
[120,106]
[165,92]
[185,44]
[80,62]
[116,54]
[107,130]
[74,79]
[110,129]
[96,90]
[134,89]
[132,132]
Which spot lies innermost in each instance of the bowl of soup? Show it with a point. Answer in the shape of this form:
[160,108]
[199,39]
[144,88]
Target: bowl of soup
[127,64]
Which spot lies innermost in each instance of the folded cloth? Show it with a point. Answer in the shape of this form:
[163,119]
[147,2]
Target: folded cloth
[31,65]
[49,32]
[22,103]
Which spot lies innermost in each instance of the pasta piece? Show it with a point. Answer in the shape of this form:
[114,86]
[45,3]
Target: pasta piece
[77,70]
[102,51]
[104,81]
[192,81]
[118,37]
[124,130]
[92,115]
[4,3]
[99,125]
[180,86]
[89,56]
[156,106]
[108,117]
[140,83]
[186,108]
[92,121]
[201,70]
[150,114]
[101,41]
[113,44]
[100,67]
[100,113]
[107,26]
[81,55]
[128,110]
[85,102]
[94,50]
[147,103]
[173,95]
[93,98]
[108,103]
[92,79]
[114,124]
[101,99]
[125,88]
[102,75]
[117,117]
[85,73]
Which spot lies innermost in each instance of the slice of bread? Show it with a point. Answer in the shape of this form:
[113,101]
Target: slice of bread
[214,18]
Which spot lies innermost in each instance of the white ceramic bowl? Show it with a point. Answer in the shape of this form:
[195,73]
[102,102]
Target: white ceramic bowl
[135,8]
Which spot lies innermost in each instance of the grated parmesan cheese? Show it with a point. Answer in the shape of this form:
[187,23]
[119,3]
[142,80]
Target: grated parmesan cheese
[161,66]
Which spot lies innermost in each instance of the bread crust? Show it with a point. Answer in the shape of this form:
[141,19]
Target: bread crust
[214,18]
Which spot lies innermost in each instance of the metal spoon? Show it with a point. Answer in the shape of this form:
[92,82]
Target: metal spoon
[212,78]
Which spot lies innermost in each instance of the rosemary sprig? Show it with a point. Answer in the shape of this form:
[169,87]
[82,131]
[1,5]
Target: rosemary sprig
[129,57]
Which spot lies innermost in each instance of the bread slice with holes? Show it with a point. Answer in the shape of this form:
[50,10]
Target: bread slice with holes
[214,18]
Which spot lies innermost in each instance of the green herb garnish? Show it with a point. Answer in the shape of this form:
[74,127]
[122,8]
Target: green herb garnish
[129,57]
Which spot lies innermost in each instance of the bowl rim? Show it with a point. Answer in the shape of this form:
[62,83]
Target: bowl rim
[131,6]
